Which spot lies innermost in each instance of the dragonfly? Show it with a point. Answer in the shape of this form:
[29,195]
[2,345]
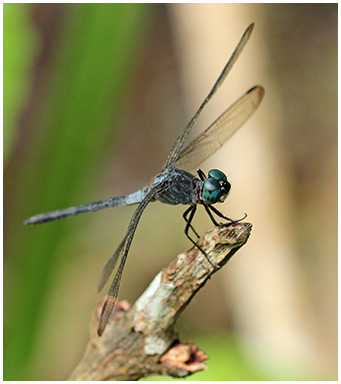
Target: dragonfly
[175,185]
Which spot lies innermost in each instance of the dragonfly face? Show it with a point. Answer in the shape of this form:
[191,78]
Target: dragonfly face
[216,187]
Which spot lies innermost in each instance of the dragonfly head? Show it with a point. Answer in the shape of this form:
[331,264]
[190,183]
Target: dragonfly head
[216,187]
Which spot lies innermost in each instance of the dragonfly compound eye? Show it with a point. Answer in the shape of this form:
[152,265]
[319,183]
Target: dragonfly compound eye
[211,192]
[224,185]
[216,174]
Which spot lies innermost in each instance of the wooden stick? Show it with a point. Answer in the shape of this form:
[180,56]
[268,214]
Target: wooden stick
[140,341]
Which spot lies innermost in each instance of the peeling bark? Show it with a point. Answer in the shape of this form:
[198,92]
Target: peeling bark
[140,341]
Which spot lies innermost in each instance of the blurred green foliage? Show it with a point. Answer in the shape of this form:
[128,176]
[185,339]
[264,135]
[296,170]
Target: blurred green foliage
[89,75]
[20,47]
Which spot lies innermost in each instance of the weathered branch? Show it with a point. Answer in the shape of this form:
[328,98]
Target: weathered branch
[140,341]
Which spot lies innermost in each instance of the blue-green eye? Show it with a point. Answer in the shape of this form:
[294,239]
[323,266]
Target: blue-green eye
[211,191]
[216,174]
[216,187]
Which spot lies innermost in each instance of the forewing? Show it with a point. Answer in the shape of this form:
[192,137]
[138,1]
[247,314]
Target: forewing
[179,143]
[209,141]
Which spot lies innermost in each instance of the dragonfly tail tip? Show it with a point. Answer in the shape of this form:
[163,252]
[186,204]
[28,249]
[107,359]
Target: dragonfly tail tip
[28,221]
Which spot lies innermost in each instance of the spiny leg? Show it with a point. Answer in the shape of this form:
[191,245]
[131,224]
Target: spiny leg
[192,211]
[185,218]
[210,215]
[218,213]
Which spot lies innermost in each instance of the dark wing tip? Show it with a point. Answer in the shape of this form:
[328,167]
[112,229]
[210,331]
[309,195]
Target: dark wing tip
[259,90]
[108,306]
[249,29]
[100,331]
[247,33]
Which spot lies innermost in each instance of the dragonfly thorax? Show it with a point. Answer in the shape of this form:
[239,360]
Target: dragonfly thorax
[215,188]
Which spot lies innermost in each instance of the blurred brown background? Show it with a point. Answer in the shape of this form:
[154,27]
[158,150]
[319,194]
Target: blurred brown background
[94,97]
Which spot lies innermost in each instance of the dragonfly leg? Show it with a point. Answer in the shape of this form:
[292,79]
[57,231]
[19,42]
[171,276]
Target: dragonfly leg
[201,174]
[218,213]
[192,209]
[185,218]
[210,215]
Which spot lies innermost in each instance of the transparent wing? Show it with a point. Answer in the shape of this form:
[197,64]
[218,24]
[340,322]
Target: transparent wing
[209,141]
[122,251]
[110,265]
[175,151]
